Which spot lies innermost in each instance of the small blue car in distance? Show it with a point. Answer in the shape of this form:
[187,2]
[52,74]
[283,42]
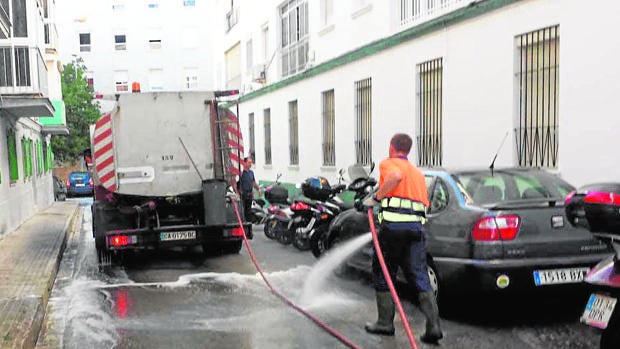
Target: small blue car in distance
[80,183]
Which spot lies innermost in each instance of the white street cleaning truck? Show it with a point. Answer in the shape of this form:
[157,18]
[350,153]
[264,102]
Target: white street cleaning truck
[163,165]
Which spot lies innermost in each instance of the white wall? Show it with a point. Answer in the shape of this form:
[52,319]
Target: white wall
[478,94]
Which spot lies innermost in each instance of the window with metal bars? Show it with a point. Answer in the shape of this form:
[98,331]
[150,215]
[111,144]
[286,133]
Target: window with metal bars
[267,125]
[429,107]
[537,81]
[293,133]
[329,129]
[252,138]
[363,125]
[12,148]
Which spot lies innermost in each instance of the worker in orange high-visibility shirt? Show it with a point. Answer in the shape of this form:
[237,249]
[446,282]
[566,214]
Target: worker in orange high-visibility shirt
[403,198]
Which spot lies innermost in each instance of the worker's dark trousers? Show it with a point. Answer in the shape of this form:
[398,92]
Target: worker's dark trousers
[247,205]
[403,245]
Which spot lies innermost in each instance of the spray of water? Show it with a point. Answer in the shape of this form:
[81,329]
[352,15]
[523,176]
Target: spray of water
[315,283]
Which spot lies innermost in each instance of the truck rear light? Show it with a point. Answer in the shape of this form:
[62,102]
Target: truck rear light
[497,228]
[600,197]
[121,240]
[237,231]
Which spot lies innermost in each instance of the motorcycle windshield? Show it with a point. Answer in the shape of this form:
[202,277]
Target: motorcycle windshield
[357,171]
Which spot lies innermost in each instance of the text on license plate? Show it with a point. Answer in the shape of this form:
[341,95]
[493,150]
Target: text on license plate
[598,310]
[177,235]
[559,276]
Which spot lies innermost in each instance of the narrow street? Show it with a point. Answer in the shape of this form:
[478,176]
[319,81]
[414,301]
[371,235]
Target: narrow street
[183,299]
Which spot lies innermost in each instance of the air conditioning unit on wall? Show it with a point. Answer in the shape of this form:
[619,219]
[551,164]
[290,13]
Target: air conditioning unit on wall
[258,73]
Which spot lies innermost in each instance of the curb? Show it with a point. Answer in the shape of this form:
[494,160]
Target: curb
[34,332]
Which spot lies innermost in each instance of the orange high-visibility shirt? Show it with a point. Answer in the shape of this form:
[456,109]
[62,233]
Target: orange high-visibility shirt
[412,185]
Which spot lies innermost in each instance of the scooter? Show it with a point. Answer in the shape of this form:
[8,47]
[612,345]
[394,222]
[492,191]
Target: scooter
[348,223]
[597,208]
[259,212]
[278,213]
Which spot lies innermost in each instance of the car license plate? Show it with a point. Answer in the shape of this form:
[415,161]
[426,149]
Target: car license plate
[598,310]
[79,185]
[177,235]
[559,276]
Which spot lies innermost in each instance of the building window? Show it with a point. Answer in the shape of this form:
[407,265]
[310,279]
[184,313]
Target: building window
[363,129]
[118,7]
[153,6]
[27,157]
[295,34]
[293,133]
[155,39]
[265,35]
[267,125]
[19,18]
[89,78]
[327,10]
[191,78]
[189,3]
[12,147]
[121,81]
[232,17]
[252,136]
[233,68]
[536,89]
[248,55]
[429,127]
[84,42]
[156,79]
[329,129]
[120,42]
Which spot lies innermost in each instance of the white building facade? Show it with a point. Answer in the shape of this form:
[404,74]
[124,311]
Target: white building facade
[325,84]
[31,109]
[163,45]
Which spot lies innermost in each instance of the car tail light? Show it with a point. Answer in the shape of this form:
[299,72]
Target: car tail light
[91,182]
[324,216]
[601,197]
[569,197]
[299,206]
[68,183]
[121,240]
[502,227]
[238,231]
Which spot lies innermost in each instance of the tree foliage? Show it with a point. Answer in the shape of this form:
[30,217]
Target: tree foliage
[81,111]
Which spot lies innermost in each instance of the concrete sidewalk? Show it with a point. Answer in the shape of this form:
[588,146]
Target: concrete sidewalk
[29,259]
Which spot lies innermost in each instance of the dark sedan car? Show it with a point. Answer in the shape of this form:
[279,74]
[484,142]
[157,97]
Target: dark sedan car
[79,183]
[501,231]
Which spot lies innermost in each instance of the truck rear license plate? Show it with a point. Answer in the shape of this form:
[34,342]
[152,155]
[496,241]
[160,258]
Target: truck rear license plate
[559,276]
[598,310]
[177,235]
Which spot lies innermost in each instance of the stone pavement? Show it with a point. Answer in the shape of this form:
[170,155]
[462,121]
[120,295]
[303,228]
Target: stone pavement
[29,259]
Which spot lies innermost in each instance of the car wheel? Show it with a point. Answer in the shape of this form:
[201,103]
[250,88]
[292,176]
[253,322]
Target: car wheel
[434,280]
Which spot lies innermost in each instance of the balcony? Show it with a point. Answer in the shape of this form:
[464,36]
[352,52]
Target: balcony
[22,71]
[414,12]
[51,37]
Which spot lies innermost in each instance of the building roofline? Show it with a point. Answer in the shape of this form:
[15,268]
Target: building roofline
[474,9]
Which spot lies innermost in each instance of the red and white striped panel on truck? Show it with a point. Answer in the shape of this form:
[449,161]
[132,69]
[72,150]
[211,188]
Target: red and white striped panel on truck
[234,141]
[103,144]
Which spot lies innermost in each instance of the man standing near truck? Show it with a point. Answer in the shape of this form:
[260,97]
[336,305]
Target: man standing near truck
[247,183]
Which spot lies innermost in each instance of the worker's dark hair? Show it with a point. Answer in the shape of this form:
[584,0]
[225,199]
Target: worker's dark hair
[245,159]
[401,142]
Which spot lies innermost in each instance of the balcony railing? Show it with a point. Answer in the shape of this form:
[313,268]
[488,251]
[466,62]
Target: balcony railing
[414,12]
[22,71]
[294,57]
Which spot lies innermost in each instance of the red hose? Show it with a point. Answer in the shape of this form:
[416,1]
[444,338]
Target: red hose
[321,324]
[386,275]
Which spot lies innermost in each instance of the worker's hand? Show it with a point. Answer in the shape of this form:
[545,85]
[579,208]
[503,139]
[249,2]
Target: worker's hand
[370,202]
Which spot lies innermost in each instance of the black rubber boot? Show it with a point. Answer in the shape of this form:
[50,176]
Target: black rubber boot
[385,321]
[428,304]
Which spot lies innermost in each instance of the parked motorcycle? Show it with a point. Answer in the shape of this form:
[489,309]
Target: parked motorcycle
[351,221]
[259,212]
[597,208]
[278,212]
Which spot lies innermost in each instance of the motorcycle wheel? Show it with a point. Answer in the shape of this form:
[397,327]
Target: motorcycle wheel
[284,235]
[611,335]
[318,241]
[270,228]
[300,242]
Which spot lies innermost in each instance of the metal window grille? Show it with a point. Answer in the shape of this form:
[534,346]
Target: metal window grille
[537,75]
[363,129]
[414,12]
[329,129]
[267,123]
[429,126]
[252,138]
[293,133]
[295,33]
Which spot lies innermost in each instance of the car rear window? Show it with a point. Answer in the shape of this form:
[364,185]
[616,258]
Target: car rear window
[486,188]
[74,175]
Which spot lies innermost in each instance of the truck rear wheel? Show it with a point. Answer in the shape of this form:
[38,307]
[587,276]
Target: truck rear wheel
[232,247]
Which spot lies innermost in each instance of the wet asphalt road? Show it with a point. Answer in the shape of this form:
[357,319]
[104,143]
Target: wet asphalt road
[183,299]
